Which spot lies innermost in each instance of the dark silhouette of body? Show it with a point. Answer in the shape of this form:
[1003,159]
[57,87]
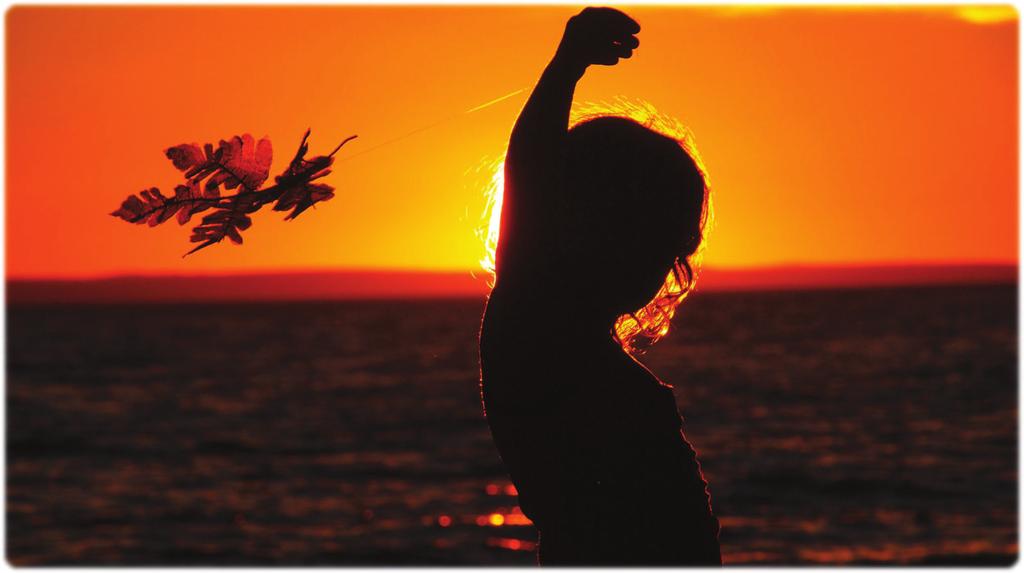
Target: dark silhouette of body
[593,219]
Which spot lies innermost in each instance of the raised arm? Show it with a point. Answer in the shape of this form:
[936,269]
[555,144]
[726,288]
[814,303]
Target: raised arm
[534,161]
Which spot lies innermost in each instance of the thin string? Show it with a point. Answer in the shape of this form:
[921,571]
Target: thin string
[444,120]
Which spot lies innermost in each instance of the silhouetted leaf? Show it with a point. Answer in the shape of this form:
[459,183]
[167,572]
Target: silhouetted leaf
[189,196]
[149,206]
[218,225]
[298,192]
[186,156]
[240,163]
[302,198]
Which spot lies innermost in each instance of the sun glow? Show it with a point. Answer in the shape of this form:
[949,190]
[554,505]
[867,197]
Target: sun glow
[647,325]
[981,14]
[494,190]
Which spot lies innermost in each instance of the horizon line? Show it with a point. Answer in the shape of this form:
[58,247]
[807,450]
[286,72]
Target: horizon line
[483,273]
[394,284]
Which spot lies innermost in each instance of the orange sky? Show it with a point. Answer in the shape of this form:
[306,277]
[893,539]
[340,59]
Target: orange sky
[832,135]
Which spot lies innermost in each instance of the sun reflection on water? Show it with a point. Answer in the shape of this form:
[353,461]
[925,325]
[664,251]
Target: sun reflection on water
[507,520]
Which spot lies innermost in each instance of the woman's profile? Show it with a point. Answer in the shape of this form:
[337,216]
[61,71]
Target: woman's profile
[594,219]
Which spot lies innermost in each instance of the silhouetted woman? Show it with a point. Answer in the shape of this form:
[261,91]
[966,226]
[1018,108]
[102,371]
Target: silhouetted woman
[593,220]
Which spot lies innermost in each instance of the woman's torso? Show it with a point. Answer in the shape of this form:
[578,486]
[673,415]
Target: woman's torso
[588,435]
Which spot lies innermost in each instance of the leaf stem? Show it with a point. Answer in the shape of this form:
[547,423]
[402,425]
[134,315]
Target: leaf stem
[347,139]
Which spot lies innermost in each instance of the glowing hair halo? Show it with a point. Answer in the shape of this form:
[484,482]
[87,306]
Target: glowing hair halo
[638,330]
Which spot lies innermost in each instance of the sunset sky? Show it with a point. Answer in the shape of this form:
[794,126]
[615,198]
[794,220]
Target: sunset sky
[832,136]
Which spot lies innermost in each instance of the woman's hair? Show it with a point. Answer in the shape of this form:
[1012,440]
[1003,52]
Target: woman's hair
[641,205]
[663,222]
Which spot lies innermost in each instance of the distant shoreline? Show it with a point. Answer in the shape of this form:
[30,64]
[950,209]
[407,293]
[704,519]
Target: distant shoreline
[393,285]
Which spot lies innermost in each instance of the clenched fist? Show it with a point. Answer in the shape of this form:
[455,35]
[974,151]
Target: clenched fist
[597,36]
